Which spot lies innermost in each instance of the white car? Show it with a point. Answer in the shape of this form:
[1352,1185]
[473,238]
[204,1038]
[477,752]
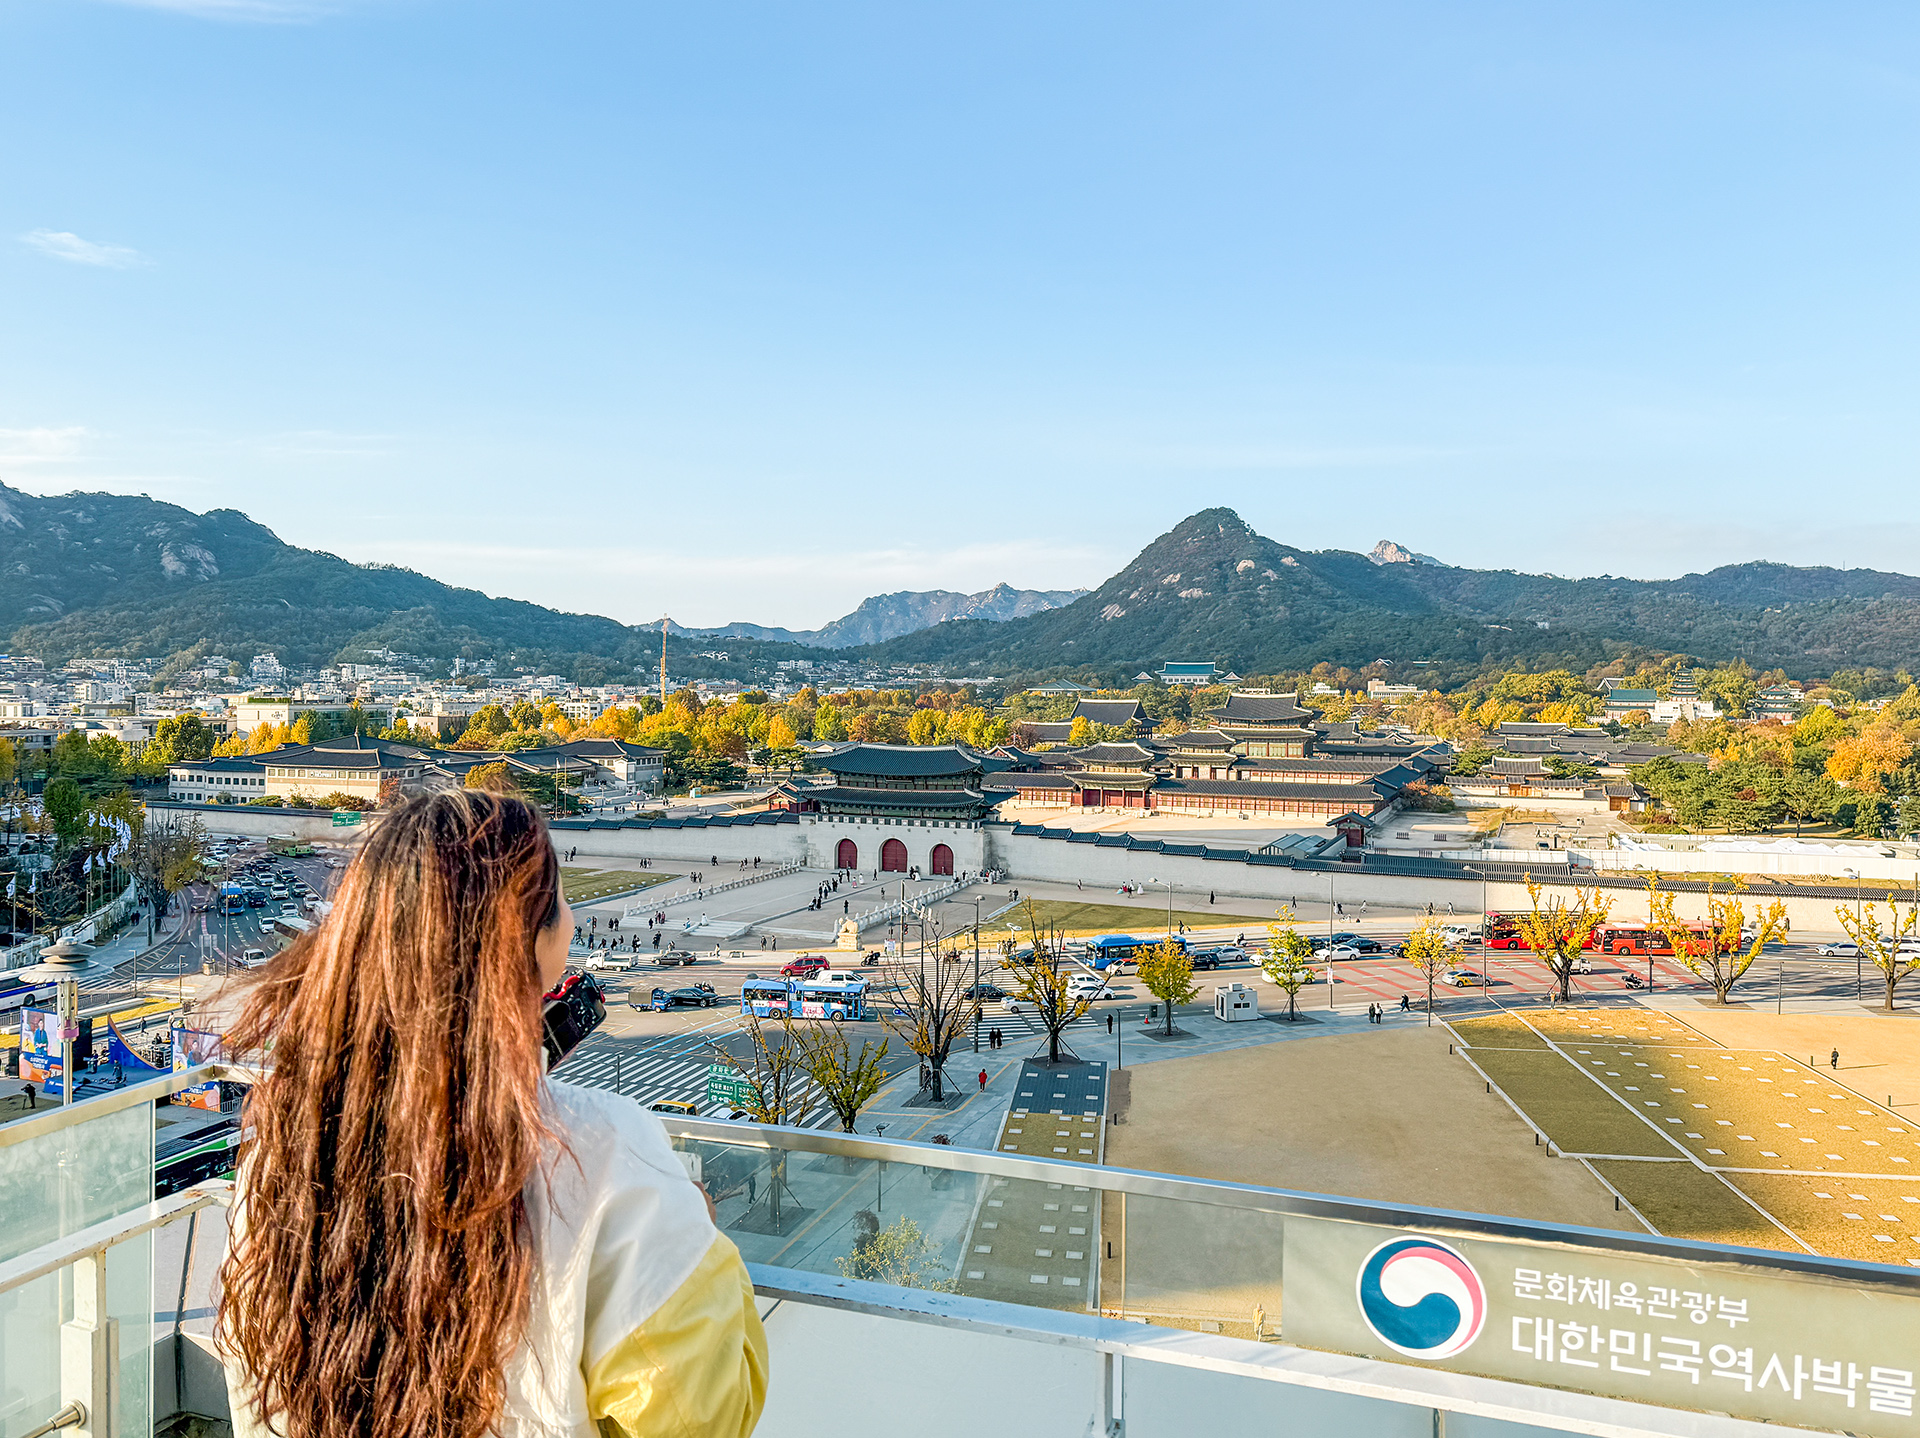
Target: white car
[1463,979]
[1088,990]
[1340,951]
[1839,951]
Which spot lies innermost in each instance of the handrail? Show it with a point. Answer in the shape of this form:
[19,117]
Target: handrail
[1284,1202]
[65,1116]
[708,890]
[63,1252]
[1439,1389]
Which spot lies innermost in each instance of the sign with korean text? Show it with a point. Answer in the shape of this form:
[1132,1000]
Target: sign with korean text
[40,1049]
[191,1048]
[727,1087]
[1779,1347]
[345,818]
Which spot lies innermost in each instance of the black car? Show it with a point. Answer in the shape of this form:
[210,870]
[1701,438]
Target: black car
[985,992]
[1212,958]
[1327,941]
[697,997]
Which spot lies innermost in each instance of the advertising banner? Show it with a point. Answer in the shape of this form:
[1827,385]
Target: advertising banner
[1777,1347]
[40,1049]
[191,1048]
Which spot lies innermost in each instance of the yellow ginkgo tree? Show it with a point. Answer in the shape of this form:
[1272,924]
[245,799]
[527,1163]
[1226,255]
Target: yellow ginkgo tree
[1557,928]
[1723,953]
[1893,950]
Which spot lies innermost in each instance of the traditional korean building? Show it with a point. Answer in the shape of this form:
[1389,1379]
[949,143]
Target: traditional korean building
[900,808]
[1265,725]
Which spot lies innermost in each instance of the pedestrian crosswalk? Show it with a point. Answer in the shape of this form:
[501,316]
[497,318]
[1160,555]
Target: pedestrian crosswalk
[647,1072]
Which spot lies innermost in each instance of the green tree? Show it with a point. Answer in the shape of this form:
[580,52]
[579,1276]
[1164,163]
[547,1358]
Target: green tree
[496,778]
[181,739]
[72,755]
[1286,961]
[829,726]
[9,762]
[524,716]
[899,1255]
[1166,970]
[1429,952]
[66,806]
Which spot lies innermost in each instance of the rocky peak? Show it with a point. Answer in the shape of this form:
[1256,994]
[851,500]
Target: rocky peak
[1387,552]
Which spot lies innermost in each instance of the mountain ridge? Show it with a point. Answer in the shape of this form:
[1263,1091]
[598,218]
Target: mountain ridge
[110,575]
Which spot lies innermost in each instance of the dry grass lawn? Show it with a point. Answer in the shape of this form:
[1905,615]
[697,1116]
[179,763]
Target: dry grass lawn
[1390,1116]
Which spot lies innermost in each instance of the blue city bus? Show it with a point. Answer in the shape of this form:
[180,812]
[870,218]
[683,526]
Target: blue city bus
[804,998]
[233,899]
[1110,950]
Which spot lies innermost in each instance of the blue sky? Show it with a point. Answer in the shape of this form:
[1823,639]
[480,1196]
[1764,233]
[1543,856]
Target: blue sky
[749,311]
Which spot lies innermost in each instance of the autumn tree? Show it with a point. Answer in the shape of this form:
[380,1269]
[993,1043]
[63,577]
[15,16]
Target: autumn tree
[495,778]
[777,1091]
[1166,970]
[899,1255]
[1042,977]
[1430,954]
[846,1080]
[1557,928]
[1287,959]
[1723,953]
[163,859]
[1891,951]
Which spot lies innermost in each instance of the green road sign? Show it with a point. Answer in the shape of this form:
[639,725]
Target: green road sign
[345,818]
[727,1086]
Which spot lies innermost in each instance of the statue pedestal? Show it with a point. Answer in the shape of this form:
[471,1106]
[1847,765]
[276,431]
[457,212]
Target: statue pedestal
[849,935]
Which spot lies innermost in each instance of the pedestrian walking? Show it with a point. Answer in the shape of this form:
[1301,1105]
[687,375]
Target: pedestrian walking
[1404,1005]
[983,1080]
[1109,1023]
[1836,1058]
[753,1186]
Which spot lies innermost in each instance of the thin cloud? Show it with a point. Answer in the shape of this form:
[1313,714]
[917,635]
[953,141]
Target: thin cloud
[21,449]
[257,11]
[65,245]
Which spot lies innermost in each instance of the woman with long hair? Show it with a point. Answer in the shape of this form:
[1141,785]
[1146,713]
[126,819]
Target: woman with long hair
[431,1238]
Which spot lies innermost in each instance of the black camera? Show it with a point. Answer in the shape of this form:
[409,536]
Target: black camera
[575,1008]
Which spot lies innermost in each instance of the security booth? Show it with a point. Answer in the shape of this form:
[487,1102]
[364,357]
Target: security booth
[1234,1002]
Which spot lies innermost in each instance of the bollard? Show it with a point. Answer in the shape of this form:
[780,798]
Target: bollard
[1536,1140]
[1616,1203]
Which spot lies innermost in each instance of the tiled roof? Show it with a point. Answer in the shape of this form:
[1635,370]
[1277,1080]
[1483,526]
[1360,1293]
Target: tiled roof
[840,796]
[894,761]
[1338,793]
[1116,712]
[1259,709]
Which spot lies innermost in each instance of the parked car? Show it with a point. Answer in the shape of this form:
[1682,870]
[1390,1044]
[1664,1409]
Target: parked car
[804,967]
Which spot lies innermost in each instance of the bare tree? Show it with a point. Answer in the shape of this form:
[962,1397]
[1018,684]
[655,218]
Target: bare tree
[1042,977]
[777,1093]
[928,1005]
[163,859]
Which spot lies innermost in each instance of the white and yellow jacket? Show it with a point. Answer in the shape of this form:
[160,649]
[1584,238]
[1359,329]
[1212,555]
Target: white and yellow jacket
[642,1319]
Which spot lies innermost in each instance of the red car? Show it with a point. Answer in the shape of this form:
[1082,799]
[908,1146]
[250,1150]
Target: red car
[804,967]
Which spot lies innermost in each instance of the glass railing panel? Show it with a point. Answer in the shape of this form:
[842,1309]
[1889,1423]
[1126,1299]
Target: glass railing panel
[53,1185]
[1065,1244]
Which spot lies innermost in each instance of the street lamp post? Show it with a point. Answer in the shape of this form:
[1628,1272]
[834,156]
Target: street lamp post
[976,976]
[1330,909]
[1859,975]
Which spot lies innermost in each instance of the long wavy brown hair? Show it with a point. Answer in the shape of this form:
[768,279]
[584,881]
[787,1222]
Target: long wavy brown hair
[382,1279]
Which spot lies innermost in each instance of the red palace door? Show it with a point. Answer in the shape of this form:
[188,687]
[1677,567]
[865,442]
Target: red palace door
[941,860]
[893,857]
[848,855]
